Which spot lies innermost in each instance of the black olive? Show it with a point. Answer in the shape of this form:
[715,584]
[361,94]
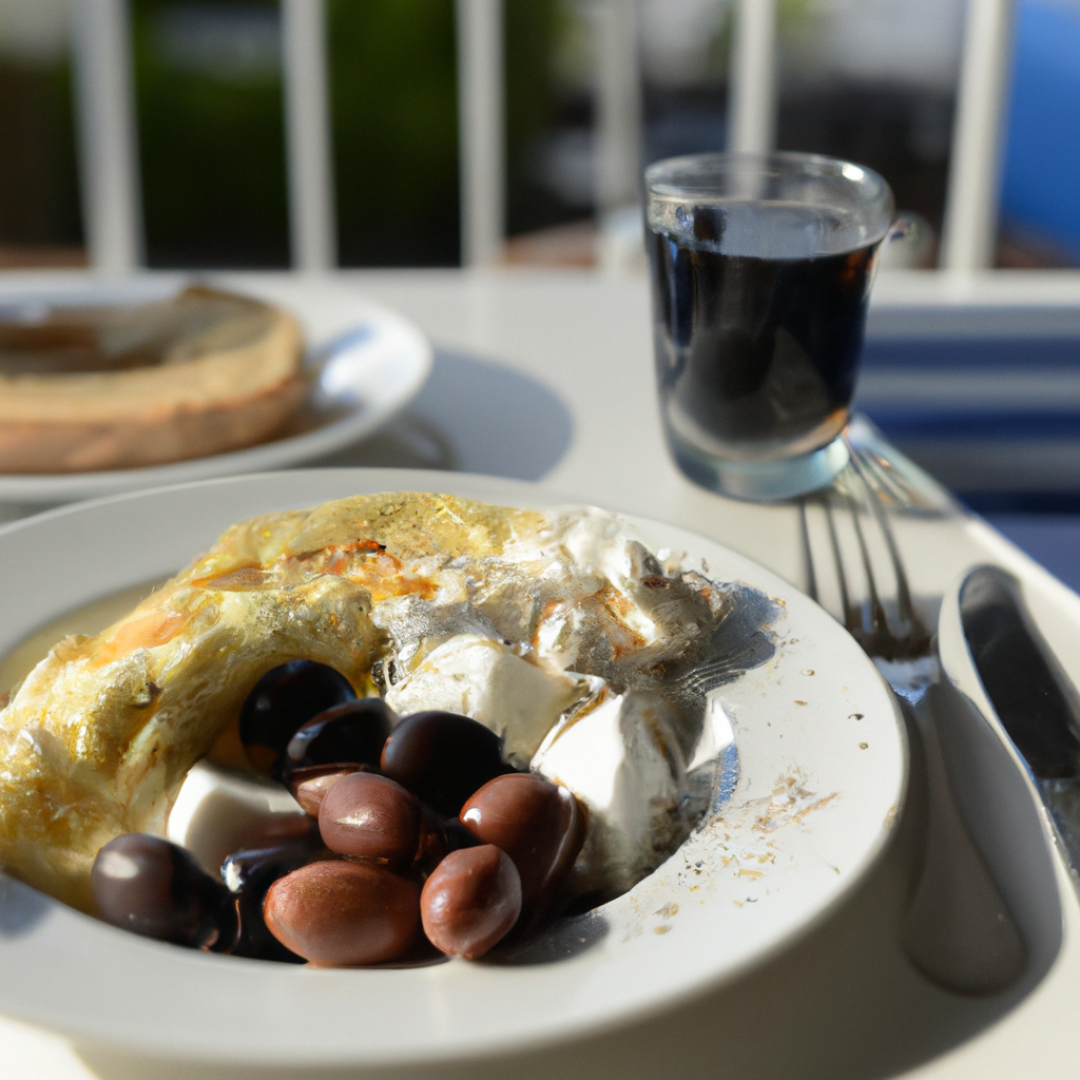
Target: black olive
[352,733]
[154,888]
[281,702]
[249,875]
[442,758]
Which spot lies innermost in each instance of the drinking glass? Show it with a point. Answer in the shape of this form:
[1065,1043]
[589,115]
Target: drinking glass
[761,269]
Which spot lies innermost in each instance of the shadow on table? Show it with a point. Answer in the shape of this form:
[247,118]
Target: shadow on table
[472,415]
[842,1002]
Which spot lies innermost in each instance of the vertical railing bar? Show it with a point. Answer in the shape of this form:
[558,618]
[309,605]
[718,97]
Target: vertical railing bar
[107,135]
[308,143]
[752,88]
[969,232]
[618,104]
[481,139]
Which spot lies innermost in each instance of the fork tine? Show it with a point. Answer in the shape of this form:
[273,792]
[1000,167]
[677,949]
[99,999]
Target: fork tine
[846,606]
[870,620]
[808,552]
[823,556]
[914,634]
[847,535]
[879,475]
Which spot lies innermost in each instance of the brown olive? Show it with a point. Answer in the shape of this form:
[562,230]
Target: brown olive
[343,913]
[442,758]
[147,885]
[537,823]
[248,875]
[310,784]
[471,901]
[371,817]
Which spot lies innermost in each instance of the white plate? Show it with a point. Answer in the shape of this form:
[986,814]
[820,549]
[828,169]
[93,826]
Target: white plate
[822,772]
[361,376]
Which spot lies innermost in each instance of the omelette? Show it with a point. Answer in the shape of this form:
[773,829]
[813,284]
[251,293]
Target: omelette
[531,622]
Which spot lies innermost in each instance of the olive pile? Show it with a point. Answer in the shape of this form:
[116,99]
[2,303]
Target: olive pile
[421,824]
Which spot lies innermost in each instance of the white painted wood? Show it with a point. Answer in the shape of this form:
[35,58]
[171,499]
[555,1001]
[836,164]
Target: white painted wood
[312,218]
[482,150]
[753,101]
[618,105]
[969,232]
[107,135]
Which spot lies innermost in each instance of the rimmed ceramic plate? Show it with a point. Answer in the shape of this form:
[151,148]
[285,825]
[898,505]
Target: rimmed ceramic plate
[822,766]
[361,375]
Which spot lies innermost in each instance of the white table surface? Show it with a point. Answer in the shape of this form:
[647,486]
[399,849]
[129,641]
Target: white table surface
[548,377]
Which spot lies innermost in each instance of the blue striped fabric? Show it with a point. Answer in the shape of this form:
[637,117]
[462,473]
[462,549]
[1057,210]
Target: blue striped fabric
[995,419]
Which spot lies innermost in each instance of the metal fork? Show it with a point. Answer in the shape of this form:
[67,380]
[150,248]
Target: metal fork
[957,931]
[858,574]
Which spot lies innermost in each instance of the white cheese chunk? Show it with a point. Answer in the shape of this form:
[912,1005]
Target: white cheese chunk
[218,812]
[480,677]
[619,762]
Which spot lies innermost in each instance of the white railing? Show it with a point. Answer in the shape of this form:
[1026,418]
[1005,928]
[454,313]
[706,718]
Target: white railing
[481,96]
[969,230]
[752,112]
[308,147]
[108,148]
[109,157]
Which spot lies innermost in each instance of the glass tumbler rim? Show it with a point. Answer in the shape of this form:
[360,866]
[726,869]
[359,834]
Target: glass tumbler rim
[700,177]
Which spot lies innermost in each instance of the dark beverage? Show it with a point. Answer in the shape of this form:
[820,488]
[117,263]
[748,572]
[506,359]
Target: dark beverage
[759,313]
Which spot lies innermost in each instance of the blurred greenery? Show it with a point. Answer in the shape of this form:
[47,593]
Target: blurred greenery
[536,105]
[210,116]
[212,148]
[393,90]
[212,134]
[39,187]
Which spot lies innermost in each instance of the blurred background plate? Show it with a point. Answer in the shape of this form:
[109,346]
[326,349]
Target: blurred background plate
[361,375]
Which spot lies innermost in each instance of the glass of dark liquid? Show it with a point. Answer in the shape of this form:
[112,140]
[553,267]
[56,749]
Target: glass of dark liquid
[761,272]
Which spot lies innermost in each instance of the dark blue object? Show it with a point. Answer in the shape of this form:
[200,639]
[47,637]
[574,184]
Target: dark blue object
[1042,156]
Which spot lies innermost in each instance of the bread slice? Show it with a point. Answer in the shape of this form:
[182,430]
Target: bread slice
[115,388]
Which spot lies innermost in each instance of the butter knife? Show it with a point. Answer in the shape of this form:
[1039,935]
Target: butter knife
[1036,702]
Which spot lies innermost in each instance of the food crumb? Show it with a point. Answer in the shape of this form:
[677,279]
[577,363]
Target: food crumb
[863,746]
[808,671]
[662,929]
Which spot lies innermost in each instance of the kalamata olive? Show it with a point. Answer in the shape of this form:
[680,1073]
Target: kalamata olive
[371,817]
[471,901]
[537,823]
[248,875]
[281,702]
[343,913]
[442,758]
[310,784]
[152,887]
[350,733]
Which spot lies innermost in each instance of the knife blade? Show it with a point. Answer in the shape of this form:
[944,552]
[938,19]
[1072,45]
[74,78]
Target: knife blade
[1036,702]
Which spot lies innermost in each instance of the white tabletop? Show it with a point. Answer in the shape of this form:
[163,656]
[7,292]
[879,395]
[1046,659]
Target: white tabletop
[548,377]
